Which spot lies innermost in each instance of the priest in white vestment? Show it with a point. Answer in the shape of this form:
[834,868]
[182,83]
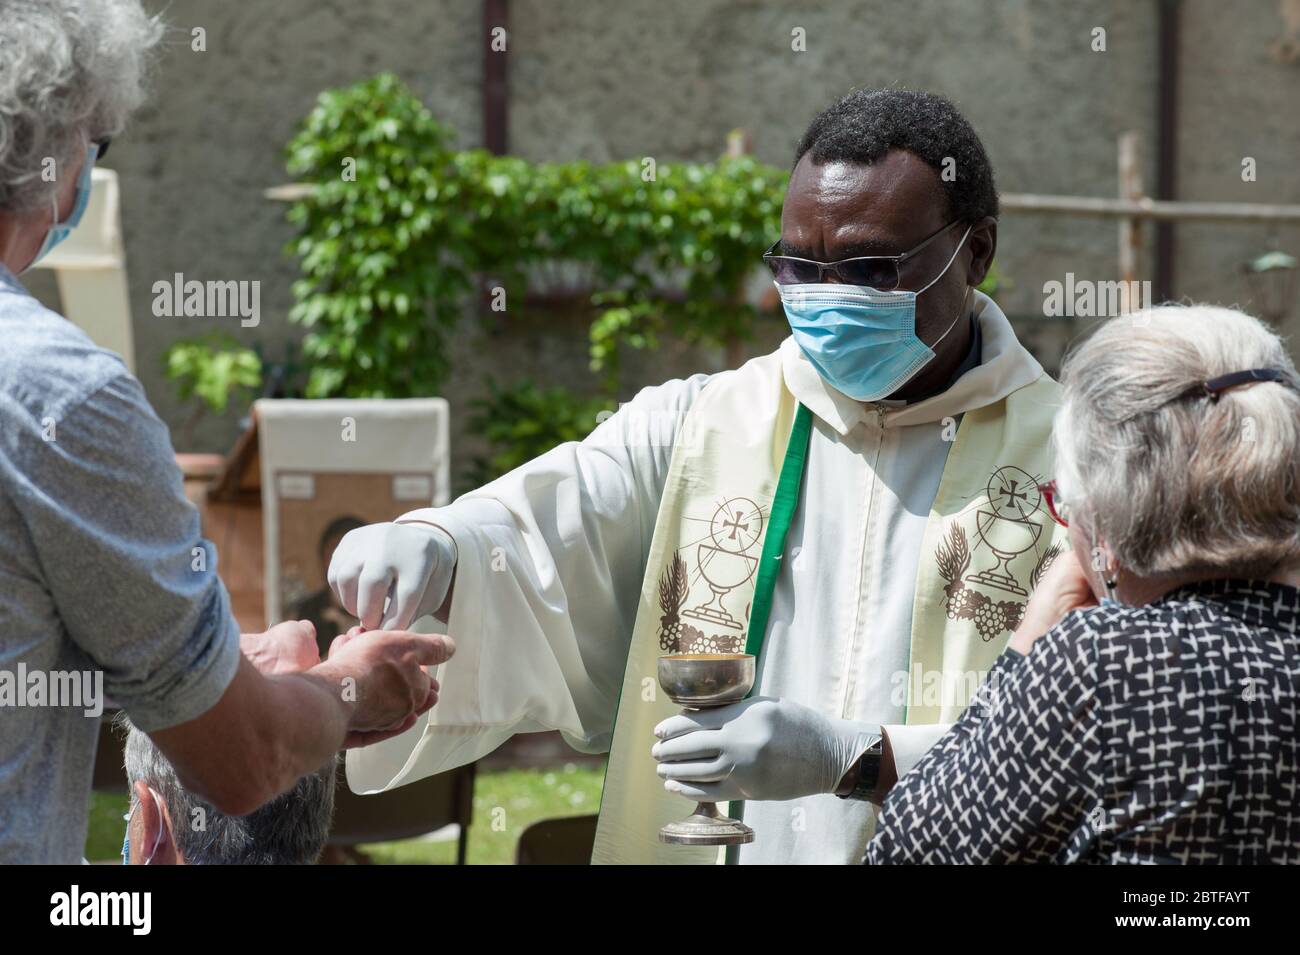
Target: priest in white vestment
[914,541]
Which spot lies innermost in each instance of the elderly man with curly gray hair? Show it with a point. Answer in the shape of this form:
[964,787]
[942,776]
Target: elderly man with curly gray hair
[1147,709]
[102,589]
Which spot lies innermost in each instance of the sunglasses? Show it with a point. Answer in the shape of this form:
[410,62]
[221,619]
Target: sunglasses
[1059,510]
[880,272]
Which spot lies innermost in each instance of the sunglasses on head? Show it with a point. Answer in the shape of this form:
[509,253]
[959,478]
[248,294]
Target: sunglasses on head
[880,272]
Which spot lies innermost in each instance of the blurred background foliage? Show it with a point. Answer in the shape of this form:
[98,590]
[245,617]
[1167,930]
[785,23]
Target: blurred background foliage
[209,372]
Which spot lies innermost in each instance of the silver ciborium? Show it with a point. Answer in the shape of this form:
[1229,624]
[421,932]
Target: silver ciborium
[699,681]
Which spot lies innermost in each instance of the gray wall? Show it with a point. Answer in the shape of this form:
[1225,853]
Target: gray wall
[669,79]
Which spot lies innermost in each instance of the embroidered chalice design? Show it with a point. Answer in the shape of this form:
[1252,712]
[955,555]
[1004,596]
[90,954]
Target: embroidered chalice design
[1005,526]
[725,562]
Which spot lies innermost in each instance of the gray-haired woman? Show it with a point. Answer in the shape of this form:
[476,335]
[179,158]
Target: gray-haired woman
[1161,723]
[106,586]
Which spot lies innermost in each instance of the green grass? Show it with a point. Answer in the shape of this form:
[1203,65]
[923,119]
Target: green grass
[104,835]
[505,803]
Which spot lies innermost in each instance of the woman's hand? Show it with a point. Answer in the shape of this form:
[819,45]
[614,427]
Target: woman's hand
[1063,588]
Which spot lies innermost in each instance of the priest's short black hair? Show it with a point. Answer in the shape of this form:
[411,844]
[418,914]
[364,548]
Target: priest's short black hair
[866,124]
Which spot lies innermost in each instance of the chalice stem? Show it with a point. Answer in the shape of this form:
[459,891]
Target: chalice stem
[709,809]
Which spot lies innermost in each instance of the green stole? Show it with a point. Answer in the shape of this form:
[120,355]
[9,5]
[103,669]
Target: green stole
[732,487]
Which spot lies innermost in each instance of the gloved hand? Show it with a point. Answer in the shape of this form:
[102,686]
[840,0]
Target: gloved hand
[410,565]
[761,748]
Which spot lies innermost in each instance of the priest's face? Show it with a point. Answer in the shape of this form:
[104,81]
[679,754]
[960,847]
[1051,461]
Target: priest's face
[838,210]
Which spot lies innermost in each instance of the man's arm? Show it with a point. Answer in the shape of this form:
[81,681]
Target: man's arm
[265,733]
[136,590]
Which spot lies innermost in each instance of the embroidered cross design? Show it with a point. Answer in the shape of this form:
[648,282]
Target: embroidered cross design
[736,524]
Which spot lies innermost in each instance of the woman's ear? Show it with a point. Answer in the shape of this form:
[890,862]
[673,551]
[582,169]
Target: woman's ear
[983,243]
[1094,555]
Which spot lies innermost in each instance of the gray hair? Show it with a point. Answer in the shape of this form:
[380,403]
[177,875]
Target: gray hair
[1172,481]
[289,830]
[72,72]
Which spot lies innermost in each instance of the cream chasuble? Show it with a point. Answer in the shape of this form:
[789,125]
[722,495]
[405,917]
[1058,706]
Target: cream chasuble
[915,537]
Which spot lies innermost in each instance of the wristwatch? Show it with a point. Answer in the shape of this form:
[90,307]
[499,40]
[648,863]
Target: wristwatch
[868,771]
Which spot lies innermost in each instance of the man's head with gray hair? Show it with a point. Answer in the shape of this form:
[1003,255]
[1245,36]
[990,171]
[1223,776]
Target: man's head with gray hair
[289,830]
[1176,482]
[73,71]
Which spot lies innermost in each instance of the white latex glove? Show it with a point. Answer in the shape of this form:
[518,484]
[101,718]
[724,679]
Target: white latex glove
[761,748]
[409,565]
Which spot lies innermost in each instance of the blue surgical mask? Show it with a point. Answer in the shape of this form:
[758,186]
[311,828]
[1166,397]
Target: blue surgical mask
[61,230]
[862,342]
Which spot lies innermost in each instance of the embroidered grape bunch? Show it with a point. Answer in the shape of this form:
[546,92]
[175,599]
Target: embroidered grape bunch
[675,636]
[991,618]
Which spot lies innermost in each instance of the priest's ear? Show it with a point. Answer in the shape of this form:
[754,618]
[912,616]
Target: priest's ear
[982,245]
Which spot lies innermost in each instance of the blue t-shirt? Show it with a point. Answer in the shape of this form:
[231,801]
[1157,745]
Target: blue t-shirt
[102,571]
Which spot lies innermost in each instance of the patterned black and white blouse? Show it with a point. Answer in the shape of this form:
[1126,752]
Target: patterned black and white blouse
[1158,734]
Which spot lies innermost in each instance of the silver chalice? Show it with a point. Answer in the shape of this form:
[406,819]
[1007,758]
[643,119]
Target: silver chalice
[699,681]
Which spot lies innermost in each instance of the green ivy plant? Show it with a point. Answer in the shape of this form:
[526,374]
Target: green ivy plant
[383,277]
[399,228]
[210,372]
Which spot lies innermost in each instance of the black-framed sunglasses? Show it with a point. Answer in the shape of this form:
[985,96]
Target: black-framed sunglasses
[880,272]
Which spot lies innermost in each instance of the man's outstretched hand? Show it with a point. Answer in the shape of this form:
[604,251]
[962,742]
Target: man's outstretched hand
[381,673]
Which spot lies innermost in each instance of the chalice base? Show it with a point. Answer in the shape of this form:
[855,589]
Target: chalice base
[707,827]
[720,617]
[1001,581]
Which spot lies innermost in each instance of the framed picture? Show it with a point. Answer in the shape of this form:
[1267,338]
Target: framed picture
[329,467]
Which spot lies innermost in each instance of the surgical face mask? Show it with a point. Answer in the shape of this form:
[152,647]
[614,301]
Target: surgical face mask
[126,838]
[61,230]
[862,342]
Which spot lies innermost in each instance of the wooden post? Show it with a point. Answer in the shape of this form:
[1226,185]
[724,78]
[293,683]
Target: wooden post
[1130,188]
